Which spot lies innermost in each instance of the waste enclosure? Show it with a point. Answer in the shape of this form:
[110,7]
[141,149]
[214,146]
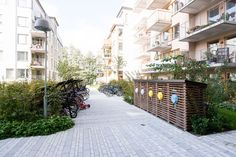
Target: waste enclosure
[175,101]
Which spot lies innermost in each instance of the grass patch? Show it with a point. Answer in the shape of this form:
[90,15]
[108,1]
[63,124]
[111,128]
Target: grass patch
[229,116]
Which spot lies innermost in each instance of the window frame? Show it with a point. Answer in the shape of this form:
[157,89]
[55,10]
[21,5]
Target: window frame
[25,56]
[25,22]
[208,14]
[18,39]
[175,35]
[25,73]
[7,74]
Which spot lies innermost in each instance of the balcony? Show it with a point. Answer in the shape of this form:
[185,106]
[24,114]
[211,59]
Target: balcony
[35,33]
[158,44]
[140,5]
[224,25]
[223,56]
[37,77]
[38,48]
[196,6]
[38,63]
[154,4]
[141,37]
[159,21]
[107,55]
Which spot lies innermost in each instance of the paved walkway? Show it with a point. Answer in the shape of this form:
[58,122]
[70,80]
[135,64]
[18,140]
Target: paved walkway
[112,128]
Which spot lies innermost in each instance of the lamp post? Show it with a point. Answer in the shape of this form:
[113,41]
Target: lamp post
[43,25]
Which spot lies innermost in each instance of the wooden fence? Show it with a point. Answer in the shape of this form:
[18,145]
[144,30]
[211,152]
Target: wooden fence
[172,100]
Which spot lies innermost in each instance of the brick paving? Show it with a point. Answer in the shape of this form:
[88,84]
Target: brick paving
[113,128]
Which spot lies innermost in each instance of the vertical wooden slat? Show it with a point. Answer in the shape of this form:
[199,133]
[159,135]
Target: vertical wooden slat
[191,100]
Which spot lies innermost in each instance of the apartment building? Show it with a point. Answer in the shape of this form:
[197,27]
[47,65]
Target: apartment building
[118,52]
[158,34]
[211,32]
[200,29]
[22,48]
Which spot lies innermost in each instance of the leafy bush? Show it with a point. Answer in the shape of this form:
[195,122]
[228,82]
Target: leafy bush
[19,98]
[127,88]
[212,122]
[219,91]
[33,128]
[230,116]
[200,124]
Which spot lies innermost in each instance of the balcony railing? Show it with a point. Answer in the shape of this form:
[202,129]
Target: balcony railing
[225,24]
[159,20]
[37,77]
[158,44]
[37,63]
[140,5]
[157,4]
[222,56]
[38,48]
[141,37]
[195,6]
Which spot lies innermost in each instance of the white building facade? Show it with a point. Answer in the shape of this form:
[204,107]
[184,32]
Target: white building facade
[22,48]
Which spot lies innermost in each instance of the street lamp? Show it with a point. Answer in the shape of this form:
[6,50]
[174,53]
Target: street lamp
[43,25]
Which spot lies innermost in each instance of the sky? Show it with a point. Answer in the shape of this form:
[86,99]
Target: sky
[84,23]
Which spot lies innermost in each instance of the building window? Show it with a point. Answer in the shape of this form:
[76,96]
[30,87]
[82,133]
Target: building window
[9,73]
[120,48]
[22,3]
[176,30]
[22,56]
[231,9]
[22,73]
[165,36]
[22,21]
[22,39]
[120,32]
[3,2]
[213,15]
[1,37]
[1,55]
[0,18]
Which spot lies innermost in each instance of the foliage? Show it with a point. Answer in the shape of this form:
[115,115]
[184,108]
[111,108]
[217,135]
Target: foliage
[66,70]
[77,66]
[119,62]
[33,128]
[89,69]
[200,124]
[230,116]
[212,122]
[228,105]
[219,91]
[127,88]
[182,67]
[20,99]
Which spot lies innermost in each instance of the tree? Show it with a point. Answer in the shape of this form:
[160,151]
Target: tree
[75,65]
[119,64]
[182,67]
[68,66]
[89,69]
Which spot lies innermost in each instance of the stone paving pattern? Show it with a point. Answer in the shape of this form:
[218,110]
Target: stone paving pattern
[113,128]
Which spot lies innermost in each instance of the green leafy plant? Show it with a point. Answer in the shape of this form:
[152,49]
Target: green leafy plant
[200,124]
[33,128]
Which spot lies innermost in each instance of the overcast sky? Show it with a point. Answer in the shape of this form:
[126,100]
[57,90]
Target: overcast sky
[83,23]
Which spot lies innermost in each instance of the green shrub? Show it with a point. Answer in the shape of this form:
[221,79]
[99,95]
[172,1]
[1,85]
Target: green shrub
[21,98]
[212,122]
[41,126]
[200,125]
[127,88]
[219,91]
[230,116]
